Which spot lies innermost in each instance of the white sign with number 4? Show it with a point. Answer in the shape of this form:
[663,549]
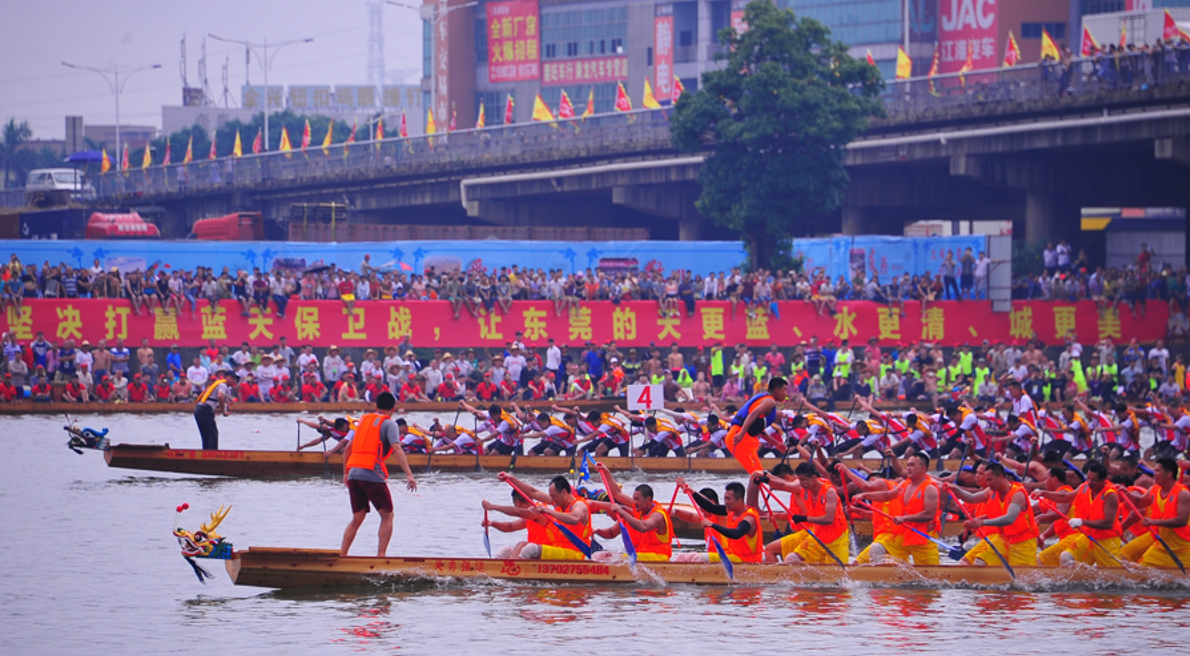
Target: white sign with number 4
[646,397]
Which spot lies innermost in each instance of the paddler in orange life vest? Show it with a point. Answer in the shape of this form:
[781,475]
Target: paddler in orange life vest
[567,510]
[918,498]
[365,474]
[649,526]
[1168,504]
[1094,511]
[216,397]
[819,509]
[540,529]
[1005,507]
[757,414]
[741,538]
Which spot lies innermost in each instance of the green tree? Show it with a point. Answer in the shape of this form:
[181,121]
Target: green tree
[14,134]
[776,120]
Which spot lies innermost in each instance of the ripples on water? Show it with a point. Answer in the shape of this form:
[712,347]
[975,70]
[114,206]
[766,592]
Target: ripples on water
[89,566]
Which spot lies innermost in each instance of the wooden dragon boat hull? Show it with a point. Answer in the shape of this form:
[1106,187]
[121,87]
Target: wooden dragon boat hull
[316,568]
[277,464]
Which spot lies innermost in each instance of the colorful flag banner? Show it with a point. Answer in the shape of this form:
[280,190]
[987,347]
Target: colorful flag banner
[904,65]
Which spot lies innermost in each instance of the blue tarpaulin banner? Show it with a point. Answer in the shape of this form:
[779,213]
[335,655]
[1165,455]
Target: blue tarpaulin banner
[885,256]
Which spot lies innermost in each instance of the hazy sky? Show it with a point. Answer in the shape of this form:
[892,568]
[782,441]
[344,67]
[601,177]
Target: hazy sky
[35,37]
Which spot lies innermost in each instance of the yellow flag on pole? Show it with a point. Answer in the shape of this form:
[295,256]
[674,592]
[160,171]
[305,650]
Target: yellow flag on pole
[481,121]
[541,112]
[238,148]
[326,141]
[147,160]
[106,164]
[189,156]
[1048,48]
[431,127]
[649,102]
[904,65]
[285,146]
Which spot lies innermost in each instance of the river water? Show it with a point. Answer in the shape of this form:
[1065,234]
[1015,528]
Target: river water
[89,566]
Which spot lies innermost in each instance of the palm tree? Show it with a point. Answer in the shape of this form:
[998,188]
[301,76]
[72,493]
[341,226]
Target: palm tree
[14,134]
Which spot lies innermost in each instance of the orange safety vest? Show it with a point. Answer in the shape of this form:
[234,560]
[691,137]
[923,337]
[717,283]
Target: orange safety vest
[1090,508]
[583,531]
[1167,508]
[1061,528]
[541,533]
[913,505]
[882,525]
[747,548]
[978,509]
[652,542]
[366,447]
[815,506]
[1025,526]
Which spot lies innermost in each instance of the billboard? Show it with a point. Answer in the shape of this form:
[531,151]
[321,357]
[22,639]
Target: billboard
[513,41]
[967,26]
[253,97]
[663,52]
[600,69]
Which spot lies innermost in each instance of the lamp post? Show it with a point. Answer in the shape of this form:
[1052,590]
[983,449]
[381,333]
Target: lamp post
[431,12]
[265,63]
[112,77]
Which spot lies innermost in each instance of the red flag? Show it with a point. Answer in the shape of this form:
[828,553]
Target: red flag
[1088,46]
[565,109]
[165,162]
[351,137]
[870,60]
[933,72]
[623,102]
[212,155]
[453,121]
[380,129]
[306,136]
[258,143]
[1169,30]
[590,110]
[1012,52]
[124,161]
[508,110]
[403,131]
[678,90]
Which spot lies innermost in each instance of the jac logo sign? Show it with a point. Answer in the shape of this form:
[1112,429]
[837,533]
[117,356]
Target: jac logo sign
[968,31]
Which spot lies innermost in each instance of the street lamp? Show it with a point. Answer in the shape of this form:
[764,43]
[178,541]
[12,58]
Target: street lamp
[265,63]
[115,84]
[430,12]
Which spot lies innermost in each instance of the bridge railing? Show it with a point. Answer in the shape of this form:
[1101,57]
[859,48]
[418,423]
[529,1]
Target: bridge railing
[497,145]
[1040,81]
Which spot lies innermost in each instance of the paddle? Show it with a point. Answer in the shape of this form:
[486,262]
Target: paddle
[1155,531]
[958,472]
[478,442]
[487,539]
[671,512]
[1003,560]
[847,511]
[953,552]
[628,546]
[723,559]
[567,533]
[768,492]
[1052,507]
[788,448]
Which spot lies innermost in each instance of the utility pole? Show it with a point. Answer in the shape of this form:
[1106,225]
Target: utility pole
[265,63]
[112,77]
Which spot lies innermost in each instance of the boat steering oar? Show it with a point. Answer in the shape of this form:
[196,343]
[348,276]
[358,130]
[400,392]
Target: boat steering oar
[629,548]
[1003,560]
[723,559]
[768,492]
[954,553]
[578,543]
[487,538]
[1155,532]
[1053,507]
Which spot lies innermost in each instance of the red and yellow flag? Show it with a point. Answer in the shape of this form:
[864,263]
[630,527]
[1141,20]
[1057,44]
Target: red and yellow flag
[967,67]
[402,128]
[258,143]
[350,138]
[213,154]
[1012,52]
[1170,29]
[306,136]
[481,120]
[431,126]
[165,162]
[189,156]
[380,130]
[590,109]
[238,148]
[1123,35]
[565,108]
[1048,47]
[933,71]
[508,106]
[285,146]
[1089,45]
[147,159]
[678,90]
[623,102]
[124,161]
[454,124]
[105,164]
[871,61]
[541,112]
[649,102]
[904,65]
[326,141]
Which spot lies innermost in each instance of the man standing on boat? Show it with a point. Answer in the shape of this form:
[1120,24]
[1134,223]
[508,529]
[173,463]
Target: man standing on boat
[365,474]
[216,397]
[758,413]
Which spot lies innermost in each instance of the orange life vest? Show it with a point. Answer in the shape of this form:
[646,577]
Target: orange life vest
[541,533]
[815,506]
[1090,508]
[749,547]
[652,542]
[913,505]
[882,525]
[583,531]
[366,447]
[1061,528]
[1167,508]
[1025,526]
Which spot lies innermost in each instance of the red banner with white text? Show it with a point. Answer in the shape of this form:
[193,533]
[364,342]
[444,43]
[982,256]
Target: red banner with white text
[634,323]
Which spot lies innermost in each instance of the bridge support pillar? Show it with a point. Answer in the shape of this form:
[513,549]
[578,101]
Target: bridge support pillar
[856,220]
[1176,151]
[1042,222]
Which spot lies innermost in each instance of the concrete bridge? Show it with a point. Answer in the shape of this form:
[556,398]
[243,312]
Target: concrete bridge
[1027,144]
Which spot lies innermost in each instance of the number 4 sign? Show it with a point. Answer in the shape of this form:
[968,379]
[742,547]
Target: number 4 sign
[646,397]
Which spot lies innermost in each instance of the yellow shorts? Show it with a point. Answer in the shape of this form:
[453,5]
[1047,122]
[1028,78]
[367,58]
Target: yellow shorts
[1148,551]
[813,554]
[1051,556]
[550,552]
[714,557]
[651,558]
[1086,551]
[1021,554]
[922,554]
[347,297]
[790,543]
[865,556]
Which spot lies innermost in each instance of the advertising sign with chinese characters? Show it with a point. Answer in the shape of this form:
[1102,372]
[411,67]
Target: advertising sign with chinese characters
[632,323]
[513,41]
[600,69]
[967,26]
[663,52]
[253,97]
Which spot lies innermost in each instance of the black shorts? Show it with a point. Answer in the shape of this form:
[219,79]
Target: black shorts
[550,444]
[593,445]
[502,448]
[365,492]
